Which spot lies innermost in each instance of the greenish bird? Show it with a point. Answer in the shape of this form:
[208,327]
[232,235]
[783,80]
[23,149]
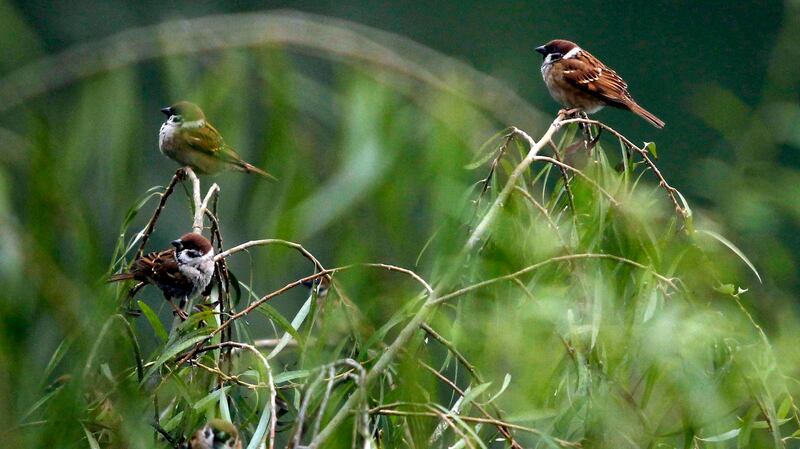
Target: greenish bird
[189,139]
[216,434]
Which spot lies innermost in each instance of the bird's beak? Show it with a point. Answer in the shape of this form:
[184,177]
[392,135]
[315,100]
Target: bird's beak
[168,112]
[541,50]
[177,244]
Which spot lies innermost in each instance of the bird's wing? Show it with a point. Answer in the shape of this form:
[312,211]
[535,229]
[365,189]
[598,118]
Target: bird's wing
[588,74]
[160,268]
[207,140]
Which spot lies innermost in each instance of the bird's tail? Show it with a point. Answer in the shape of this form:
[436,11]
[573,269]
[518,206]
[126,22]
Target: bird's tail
[249,168]
[120,277]
[645,114]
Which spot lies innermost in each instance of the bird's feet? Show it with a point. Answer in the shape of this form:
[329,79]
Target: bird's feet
[569,112]
[177,311]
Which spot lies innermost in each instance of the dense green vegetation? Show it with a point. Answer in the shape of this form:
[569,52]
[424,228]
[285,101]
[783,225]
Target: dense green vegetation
[571,306]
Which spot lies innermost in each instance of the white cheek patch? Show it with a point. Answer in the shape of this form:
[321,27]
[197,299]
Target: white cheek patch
[572,53]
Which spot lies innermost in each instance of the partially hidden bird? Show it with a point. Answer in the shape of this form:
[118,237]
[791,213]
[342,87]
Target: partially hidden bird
[181,272]
[216,434]
[189,139]
[577,79]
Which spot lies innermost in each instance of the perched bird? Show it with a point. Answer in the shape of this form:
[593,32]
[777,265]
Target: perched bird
[320,286]
[182,272]
[188,138]
[576,79]
[216,434]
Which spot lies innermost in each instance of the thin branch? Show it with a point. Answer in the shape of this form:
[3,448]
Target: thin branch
[671,191]
[450,347]
[431,302]
[197,201]
[480,231]
[460,292]
[180,174]
[565,176]
[591,181]
[503,430]
[390,412]
[552,224]
[265,242]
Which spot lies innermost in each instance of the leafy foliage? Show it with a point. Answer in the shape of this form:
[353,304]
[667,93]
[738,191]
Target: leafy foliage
[589,314]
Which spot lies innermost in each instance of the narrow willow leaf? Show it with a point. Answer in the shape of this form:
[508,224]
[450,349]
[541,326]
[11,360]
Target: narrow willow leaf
[290,375]
[154,321]
[506,383]
[210,399]
[282,322]
[297,321]
[733,248]
[172,351]
[733,433]
[93,444]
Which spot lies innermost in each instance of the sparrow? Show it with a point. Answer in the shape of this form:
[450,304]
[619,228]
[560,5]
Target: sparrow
[181,272]
[576,79]
[320,286]
[189,139]
[216,434]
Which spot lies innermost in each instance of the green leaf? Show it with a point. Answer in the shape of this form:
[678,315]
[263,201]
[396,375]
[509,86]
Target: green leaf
[473,393]
[282,322]
[733,248]
[650,147]
[726,289]
[506,383]
[290,375]
[733,433]
[482,156]
[210,399]
[154,321]
[172,351]
[785,407]
[93,444]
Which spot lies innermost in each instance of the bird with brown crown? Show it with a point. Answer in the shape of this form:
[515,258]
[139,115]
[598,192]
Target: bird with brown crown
[189,139]
[182,272]
[216,434]
[577,79]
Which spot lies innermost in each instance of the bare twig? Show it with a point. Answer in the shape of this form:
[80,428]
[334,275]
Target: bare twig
[671,191]
[591,181]
[668,281]
[151,224]
[382,410]
[483,226]
[503,430]
[450,347]
[566,179]
[431,303]
[265,242]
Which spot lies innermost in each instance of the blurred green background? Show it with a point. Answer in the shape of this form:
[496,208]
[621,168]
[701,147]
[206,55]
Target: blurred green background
[369,134]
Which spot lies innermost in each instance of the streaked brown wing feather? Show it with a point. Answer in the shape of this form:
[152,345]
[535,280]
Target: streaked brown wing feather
[156,267]
[587,73]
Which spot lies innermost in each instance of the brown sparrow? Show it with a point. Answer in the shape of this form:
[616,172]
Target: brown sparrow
[576,79]
[189,139]
[182,272]
[217,434]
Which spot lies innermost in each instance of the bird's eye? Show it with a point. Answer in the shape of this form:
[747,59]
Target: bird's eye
[208,434]
[192,253]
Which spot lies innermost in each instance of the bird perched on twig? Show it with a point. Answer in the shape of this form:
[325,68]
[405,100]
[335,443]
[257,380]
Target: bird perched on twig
[189,139]
[576,79]
[182,272]
[216,434]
